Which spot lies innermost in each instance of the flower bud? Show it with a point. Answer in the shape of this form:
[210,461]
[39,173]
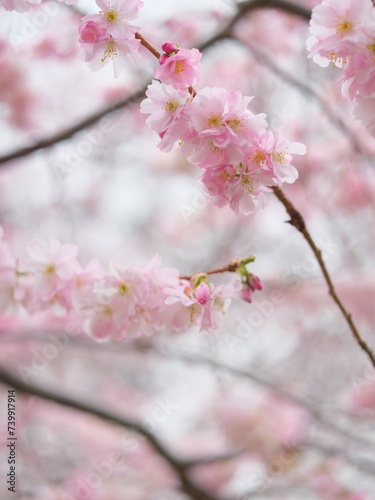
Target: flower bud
[203,293]
[169,47]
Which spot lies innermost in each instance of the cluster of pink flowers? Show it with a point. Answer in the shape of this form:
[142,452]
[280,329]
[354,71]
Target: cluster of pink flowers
[343,32]
[217,132]
[108,36]
[128,301]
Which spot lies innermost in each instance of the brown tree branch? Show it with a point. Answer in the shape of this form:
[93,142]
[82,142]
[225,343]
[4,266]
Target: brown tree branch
[298,222]
[180,467]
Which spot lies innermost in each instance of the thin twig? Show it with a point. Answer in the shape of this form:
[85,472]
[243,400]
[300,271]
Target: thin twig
[229,268]
[148,45]
[298,222]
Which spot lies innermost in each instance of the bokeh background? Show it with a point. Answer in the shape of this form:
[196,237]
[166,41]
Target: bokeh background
[280,401]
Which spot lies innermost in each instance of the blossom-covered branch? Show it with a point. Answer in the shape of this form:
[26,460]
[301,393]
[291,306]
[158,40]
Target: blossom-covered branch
[127,301]
[137,95]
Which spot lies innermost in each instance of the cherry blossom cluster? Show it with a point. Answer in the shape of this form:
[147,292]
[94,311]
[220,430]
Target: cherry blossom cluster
[108,36]
[128,301]
[217,132]
[343,33]
[214,128]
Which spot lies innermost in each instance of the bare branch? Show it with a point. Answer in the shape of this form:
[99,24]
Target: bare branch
[298,222]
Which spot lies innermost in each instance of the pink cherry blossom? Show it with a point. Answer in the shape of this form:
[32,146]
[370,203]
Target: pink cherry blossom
[115,15]
[274,156]
[218,305]
[201,306]
[167,109]
[359,72]
[53,265]
[223,125]
[241,189]
[110,49]
[334,26]
[91,32]
[181,69]
[185,310]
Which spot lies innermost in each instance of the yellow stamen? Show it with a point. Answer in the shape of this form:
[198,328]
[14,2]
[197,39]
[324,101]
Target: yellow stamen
[50,269]
[343,25]
[214,121]
[179,67]
[259,157]
[171,105]
[227,177]
[111,50]
[235,124]
[247,184]
[279,156]
[123,288]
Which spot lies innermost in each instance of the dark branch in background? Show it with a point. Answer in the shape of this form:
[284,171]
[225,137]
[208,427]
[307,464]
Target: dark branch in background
[243,9]
[69,132]
[300,401]
[151,349]
[180,467]
[298,222]
[246,7]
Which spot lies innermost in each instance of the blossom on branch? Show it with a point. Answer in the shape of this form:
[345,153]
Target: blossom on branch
[180,68]
[343,32]
[167,108]
[108,36]
[114,17]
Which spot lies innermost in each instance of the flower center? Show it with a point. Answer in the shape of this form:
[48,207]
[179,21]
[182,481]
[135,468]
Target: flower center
[220,304]
[110,51]
[214,121]
[50,269]
[179,67]
[123,288]
[343,25]
[171,105]
[227,177]
[247,184]
[194,310]
[259,157]
[112,15]
[279,156]
[235,124]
